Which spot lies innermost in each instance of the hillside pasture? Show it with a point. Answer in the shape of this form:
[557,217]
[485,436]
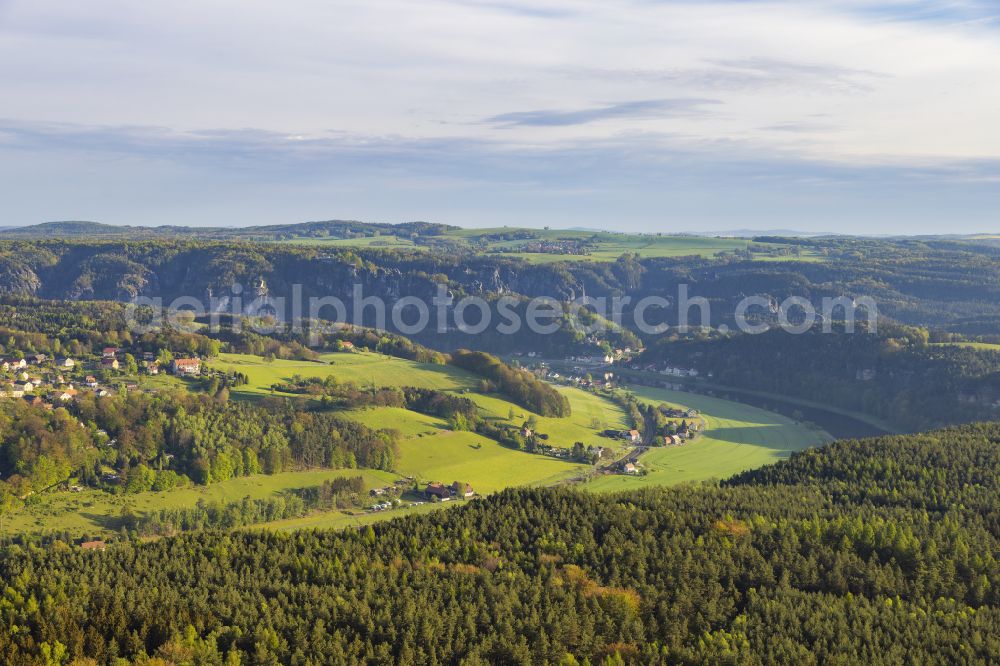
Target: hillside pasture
[737,437]
[469,457]
[361,368]
[93,512]
[589,415]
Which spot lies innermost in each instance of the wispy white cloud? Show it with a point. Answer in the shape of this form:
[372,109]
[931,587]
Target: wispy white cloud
[498,87]
[650,108]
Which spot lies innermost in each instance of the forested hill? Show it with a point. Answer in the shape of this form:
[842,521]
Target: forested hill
[946,285]
[325,229]
[879,551]
[896,374]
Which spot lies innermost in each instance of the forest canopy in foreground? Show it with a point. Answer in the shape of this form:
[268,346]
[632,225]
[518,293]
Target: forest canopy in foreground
[882,551]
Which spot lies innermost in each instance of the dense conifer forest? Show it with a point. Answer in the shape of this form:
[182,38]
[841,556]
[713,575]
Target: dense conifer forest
[880,551]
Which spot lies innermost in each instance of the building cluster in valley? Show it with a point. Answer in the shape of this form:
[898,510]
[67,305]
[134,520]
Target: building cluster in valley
[568,246]
[605,380]
[50,381]
[436,491]
[668,370]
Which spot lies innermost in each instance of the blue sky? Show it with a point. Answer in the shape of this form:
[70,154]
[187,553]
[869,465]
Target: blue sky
[645,115]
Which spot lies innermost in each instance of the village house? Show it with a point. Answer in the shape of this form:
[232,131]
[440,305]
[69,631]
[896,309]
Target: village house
[110,363]
[97,544]
[90,381]
[24,387]
[152,367]
[437,490]
[630,468]
[109,352]
[345,345]
[634,437]
[37,359]
[65,363]
[13,363]
[186,366]
[61,396]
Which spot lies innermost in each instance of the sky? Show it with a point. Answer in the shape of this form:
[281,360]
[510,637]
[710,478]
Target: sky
[847,116]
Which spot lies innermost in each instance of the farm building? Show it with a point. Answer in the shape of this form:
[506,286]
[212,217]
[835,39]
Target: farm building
[438,490]
[186,366]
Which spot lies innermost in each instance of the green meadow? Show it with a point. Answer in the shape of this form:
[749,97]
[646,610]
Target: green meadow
[482,462]
[981,346]
[362,368]
[737,437]
[590,414]
[429,451]
[394,242]
[339,520]
[97,512]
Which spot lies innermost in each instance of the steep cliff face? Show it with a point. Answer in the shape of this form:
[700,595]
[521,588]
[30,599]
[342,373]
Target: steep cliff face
[913,286]
[230,277]
[17,277]
[108,276]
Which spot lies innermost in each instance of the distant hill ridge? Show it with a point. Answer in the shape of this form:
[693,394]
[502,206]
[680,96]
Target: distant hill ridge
[326,228]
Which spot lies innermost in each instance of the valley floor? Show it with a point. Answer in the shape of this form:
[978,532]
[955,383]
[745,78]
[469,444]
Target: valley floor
[737,437]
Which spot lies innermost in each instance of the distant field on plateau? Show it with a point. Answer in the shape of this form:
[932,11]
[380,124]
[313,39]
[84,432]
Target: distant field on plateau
[971,345]
[607,246]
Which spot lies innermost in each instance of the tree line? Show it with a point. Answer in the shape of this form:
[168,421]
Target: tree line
[881,550]
[137,441]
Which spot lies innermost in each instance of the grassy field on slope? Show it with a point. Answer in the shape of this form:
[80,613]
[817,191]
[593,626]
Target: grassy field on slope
[96,512]
[738,437]
[590,413]
[362,368]
[429,451]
